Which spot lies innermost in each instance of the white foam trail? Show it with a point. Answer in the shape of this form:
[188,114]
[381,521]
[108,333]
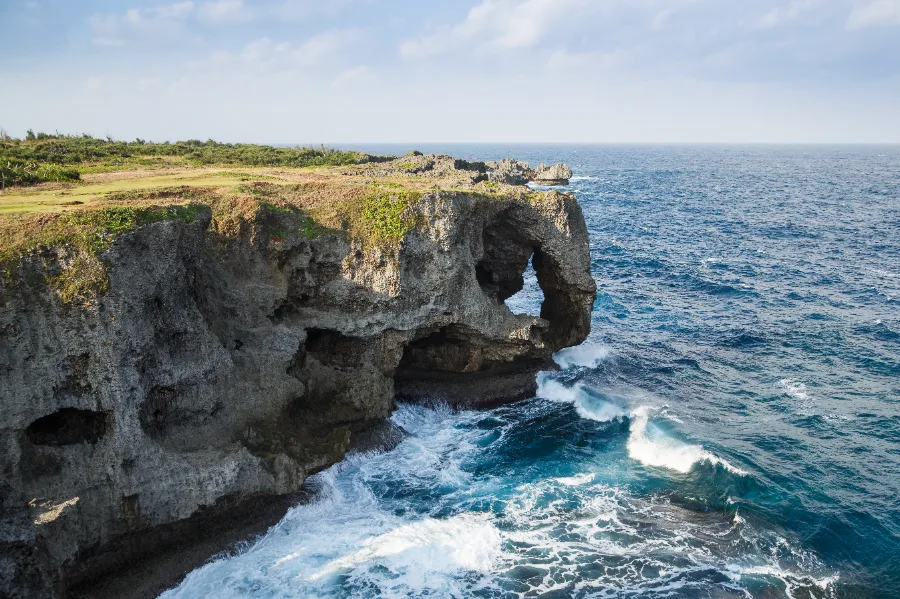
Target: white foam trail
[420,554]
[652,448]
[588,355]
[586,404]
[577,480]
[794,388]
[792,581]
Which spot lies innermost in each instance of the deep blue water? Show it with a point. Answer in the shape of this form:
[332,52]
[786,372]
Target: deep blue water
[730,429]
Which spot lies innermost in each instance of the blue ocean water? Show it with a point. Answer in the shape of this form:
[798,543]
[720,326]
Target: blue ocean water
[730,429]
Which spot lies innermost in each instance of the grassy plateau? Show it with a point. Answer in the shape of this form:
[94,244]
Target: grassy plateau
[75,194]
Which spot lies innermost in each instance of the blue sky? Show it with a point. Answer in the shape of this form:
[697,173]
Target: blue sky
[298,71]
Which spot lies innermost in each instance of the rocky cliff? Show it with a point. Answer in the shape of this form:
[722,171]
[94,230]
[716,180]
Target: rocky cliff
[211,371]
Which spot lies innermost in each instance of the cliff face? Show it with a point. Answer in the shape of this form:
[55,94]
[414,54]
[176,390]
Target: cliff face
[213,373]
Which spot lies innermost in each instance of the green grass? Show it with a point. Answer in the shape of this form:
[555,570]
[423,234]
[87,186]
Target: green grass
[24,199]
[63,158]
[14,171]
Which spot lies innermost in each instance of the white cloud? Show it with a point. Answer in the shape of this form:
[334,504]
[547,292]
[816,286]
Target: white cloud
[879,13]
[784,14]
[299,10]
[115,29]
[660,19]
[325,49]
[225,10]
[501,24]
[168,22]
[264,50]
[146,84]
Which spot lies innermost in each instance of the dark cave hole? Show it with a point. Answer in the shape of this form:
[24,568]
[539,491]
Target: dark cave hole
[333,348]
[68,426]
[448,349]
[513,268]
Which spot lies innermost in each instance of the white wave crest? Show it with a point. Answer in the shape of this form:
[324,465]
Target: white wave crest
[588,355]
[587,404]
[652,448]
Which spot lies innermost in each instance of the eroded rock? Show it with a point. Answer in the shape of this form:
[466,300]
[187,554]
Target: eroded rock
[510,172]
[555,174]
[214,374]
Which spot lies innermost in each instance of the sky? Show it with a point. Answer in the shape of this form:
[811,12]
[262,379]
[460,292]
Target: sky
[344,71]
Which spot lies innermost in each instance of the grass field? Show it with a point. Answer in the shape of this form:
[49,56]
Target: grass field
[58,158]
[94,189]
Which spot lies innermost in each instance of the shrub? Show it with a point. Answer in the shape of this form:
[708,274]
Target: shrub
[389,215]
[16,172]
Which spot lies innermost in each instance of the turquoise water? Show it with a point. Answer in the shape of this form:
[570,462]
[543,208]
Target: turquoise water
[730,429]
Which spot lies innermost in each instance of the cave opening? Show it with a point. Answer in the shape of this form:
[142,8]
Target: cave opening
[511,269]
[517,270]
[530,297]
[68,426]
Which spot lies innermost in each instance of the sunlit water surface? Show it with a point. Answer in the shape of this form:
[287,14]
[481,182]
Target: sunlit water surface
[730,429]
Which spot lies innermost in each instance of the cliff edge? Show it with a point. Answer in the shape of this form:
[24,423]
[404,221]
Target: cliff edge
[186,351]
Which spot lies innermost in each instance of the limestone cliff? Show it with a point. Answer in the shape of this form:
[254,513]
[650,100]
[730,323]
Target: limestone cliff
[213,372]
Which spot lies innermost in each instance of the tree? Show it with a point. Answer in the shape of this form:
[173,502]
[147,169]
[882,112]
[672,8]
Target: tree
[29,135]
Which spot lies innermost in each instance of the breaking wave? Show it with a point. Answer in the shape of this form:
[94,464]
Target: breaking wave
[651,447]
[647,443]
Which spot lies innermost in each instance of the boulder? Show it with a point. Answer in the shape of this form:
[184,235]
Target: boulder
[509,172]
[555,174]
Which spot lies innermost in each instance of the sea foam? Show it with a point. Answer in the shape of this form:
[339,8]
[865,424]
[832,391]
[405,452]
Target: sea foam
[588,355]
[419,555]
[588,404]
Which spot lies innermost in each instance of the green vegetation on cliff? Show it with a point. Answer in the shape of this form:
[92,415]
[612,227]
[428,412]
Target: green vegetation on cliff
[389,213]
[95,190]
[57,158]
[82,235]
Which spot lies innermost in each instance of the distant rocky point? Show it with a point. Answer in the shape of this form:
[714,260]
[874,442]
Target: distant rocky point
[513,172]
[506,171]
[556,174]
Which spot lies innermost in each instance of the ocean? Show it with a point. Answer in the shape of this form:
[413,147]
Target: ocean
[731,428]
